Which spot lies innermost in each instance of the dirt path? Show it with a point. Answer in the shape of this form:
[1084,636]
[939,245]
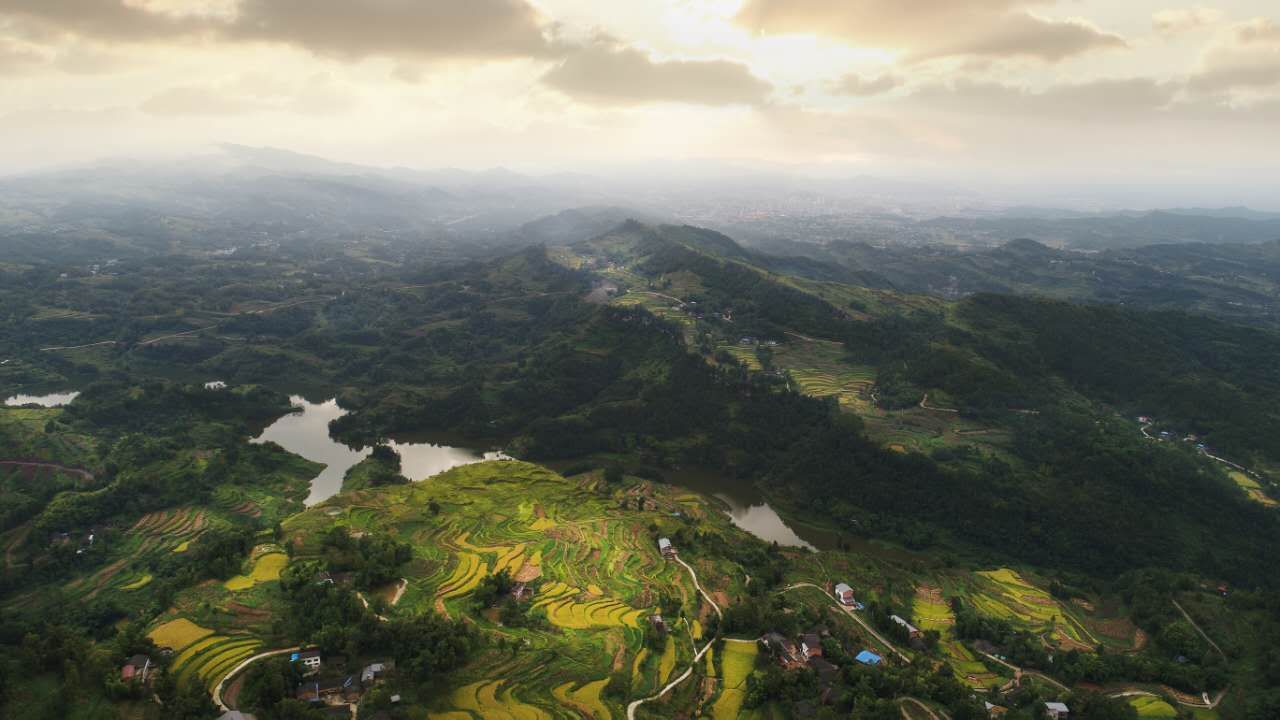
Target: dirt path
[79,347]
[217,690]
[806,338]
[1212,644]
[924,405]
[654,294]
[697,658]
[850,612]
[1030,673]
[920,704]
[40,464]
[18,538]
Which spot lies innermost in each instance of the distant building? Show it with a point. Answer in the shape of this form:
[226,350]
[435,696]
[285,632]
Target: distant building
[912,632]
[310,660]
[866,657]
[844,594]
[1057,710]
[995,711]
[137,669]
[658,623]
[666,548]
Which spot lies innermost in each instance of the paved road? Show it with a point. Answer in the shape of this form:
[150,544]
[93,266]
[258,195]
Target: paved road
[635,704]
[217,690]
[856,618]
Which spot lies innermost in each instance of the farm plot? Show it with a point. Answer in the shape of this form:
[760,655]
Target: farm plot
[267,566]
[737,662]
[1153,707]
[1252,488]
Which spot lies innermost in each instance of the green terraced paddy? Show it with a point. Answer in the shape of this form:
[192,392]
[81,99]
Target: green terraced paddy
[595,566]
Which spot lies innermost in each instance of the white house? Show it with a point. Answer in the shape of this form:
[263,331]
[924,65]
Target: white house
[844,594]
[1057,710]
[310,660]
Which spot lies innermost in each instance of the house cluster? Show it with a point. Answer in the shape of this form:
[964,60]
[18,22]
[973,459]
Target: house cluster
[805,651]
[337,692]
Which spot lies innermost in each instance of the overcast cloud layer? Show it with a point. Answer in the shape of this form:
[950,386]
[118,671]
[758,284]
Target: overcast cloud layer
[1022,90]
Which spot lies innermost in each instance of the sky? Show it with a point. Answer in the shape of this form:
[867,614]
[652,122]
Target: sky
[978,92]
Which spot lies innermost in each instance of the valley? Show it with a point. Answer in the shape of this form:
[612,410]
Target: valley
[467,470]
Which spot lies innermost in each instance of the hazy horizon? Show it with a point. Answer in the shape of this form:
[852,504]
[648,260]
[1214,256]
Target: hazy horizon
[1153,103]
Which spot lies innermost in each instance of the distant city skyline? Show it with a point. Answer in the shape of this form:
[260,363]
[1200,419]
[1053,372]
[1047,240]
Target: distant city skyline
[974,92]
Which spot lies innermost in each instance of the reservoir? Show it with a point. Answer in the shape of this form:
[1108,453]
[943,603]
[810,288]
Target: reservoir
[306,433]
[50,401]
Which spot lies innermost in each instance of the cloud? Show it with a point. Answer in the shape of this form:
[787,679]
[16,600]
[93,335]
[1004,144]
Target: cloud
[932,28]
[607,73]
[1246,56]
[104,19]
[1175,22]
[863,86]
[348,29]
[1025,35]
[1096,101]
[398,28]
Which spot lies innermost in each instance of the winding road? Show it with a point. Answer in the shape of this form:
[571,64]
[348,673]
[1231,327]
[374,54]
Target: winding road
[38,464]
[217,690]
[635,704]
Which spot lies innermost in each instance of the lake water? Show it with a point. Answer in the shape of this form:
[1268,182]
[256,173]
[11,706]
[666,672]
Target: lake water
[306,433]
[748,510]
[51,400]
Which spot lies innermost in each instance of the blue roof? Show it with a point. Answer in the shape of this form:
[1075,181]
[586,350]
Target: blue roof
[866,657]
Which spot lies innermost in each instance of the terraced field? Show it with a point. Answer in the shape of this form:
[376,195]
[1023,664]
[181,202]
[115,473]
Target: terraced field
[744,354]
[932,612]
[268,563]
[1006,594]
[593,565]
[820,370]
[200,653]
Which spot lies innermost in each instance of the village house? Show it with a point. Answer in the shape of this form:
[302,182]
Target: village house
[666,548]
[310,660]
[138,669]
[844,594]
[811,645]
[374,672]
[1057,710]
[912,632]
[782,649]
[658,623]
[995,711]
